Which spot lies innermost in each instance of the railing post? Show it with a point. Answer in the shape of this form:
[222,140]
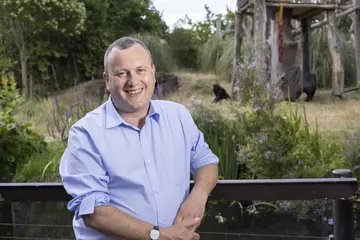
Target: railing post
[343,212]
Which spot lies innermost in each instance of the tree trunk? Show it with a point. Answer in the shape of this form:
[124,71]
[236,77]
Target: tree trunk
[23,61]
[260,41]
[336,50]
[288,71]
[239,34]
[356,26]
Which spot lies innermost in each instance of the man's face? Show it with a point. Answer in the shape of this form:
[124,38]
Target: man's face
[130,78]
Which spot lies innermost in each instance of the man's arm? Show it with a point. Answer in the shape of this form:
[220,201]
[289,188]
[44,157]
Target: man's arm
[85,178]
[205,179]
[205,169]
[113,222]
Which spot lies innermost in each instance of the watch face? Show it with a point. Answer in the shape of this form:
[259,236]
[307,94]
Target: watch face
[154,234]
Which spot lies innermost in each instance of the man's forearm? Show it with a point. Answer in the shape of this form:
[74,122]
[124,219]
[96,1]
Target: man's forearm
[205,179]
[117,224]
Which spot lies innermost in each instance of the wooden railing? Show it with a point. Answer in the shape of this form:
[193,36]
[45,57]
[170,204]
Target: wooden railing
[341,189]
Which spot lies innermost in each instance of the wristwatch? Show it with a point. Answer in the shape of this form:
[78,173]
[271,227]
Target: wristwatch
[155,233]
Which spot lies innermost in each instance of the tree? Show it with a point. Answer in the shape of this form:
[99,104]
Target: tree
[23,21]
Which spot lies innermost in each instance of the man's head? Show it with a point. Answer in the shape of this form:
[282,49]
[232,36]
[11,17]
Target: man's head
[129,74]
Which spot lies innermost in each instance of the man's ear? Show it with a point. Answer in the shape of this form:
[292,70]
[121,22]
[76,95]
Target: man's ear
[107,81]
[153,69]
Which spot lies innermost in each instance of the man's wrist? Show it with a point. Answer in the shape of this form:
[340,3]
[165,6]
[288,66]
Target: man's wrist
[154,233]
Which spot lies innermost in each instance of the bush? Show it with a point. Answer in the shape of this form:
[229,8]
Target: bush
[18,144]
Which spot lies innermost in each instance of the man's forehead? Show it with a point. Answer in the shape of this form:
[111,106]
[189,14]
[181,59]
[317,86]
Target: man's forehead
[137,53]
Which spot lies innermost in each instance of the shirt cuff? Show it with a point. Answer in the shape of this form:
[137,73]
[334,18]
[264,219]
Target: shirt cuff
[209,159]
[89,202]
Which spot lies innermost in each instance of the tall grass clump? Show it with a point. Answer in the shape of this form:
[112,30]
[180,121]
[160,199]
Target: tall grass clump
[322,63]
[160,50]
[216,55]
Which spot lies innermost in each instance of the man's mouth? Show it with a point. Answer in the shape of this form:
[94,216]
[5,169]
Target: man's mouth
[134,92]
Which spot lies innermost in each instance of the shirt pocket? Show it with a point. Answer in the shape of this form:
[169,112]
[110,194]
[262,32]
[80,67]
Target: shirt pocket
[175,165]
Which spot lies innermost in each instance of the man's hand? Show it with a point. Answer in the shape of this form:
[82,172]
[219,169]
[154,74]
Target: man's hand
[192,207]
[180,231]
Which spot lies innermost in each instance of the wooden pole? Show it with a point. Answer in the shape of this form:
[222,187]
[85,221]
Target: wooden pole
[356,25]
[239,34]
[260,26]
[336,50]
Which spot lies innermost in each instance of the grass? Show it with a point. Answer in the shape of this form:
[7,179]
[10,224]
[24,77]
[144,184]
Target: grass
[333,117]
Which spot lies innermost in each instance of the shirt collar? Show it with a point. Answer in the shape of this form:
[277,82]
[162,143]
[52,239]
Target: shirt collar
[113,118]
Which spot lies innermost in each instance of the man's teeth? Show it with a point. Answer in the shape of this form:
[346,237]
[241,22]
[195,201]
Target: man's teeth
[134,92]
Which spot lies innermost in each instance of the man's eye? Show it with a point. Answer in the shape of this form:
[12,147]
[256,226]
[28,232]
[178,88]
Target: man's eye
[121,74]
[141,70]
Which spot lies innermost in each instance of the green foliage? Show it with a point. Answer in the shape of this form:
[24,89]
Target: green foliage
[10,96]
[216,55]
[284,147]
[352,152]
[47,23]
[160,50]
[184,47]
[18,144]
[64,116]
[219,133]
[43,167]
[322,63]
[204,86]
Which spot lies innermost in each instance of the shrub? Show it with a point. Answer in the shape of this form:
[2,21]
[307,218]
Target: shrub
[352,152]
[18,144]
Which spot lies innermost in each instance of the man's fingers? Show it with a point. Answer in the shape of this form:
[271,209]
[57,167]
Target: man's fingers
[188,222]
[196,236]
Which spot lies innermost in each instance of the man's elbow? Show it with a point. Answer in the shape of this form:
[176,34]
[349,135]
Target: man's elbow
[90,220]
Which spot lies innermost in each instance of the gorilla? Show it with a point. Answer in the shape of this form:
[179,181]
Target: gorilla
[309,87]
[220,93]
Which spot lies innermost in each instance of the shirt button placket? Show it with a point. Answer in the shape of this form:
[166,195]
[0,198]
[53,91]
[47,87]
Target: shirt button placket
[150,168]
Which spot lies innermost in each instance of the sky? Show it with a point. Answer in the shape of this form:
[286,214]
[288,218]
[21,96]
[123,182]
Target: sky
[172,10]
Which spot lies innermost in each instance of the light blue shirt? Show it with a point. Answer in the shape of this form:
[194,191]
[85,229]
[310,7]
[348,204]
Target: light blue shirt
[143,172]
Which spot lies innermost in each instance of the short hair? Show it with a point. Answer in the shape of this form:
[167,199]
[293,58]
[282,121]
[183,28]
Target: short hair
[124,43]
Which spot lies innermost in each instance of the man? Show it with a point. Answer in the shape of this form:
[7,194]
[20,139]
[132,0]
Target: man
[127,163]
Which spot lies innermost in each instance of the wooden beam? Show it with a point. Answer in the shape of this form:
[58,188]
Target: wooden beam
[356,25]
[303,5]
[259,189]
[325,21]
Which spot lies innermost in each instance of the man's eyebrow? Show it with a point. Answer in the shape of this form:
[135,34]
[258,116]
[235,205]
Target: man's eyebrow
[116,70]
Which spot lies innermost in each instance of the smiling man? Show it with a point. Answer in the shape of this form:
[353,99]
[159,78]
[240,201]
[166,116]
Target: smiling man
[127,163]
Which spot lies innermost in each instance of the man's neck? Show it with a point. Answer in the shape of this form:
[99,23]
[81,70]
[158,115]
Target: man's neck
[136,119]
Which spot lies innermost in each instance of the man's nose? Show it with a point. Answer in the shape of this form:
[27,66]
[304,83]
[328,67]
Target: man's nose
[133,78]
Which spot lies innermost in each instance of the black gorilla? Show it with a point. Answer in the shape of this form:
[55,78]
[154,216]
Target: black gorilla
[220,93]
[309,87]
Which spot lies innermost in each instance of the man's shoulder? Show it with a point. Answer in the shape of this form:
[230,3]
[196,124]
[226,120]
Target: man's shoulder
[92,120]
[169,107]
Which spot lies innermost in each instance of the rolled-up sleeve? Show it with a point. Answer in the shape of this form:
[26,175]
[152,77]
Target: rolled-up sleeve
[83,174]
[201,154]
